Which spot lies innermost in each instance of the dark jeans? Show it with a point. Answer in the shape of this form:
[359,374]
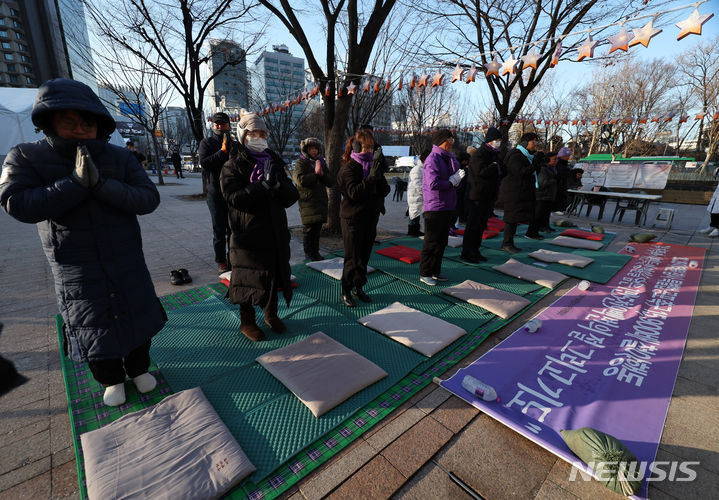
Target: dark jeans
[311,238]
[112,371]
[477,216]
[714,222]
[542,212]
[220,225]
[510,228]
[178,172]
[358,234]
[436,235]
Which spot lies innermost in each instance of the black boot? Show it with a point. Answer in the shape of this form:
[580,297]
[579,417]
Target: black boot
[361,295]
[346,298]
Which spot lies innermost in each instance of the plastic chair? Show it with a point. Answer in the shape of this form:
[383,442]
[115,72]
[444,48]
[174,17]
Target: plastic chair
[624,204]
[594,201]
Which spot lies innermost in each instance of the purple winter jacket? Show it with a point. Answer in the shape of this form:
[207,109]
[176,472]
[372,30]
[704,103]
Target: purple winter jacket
[438,192]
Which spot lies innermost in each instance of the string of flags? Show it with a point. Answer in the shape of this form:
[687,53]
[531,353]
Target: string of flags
[620,41]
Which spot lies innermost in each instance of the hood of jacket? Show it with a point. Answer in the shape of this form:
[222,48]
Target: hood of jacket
[62,93]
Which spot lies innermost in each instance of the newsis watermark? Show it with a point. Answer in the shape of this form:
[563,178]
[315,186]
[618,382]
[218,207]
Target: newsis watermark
[635,471]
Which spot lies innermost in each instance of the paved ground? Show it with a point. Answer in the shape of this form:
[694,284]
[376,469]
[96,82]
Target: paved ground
[417,453]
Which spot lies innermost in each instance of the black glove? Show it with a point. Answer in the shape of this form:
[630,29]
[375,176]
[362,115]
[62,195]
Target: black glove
[377,153]
[375,171]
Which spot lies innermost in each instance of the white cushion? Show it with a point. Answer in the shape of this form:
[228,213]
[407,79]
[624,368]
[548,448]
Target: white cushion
[320,371]
[569,242]
[332,267]
[178,448]
[544,277]
[415,329]
[568,259]
[499,302]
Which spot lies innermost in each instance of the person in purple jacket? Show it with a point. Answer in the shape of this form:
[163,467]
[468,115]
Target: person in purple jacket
[442,174]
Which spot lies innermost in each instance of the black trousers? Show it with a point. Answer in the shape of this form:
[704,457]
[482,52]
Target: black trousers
[178,171]
[510,228]
[358,234]
[714,220]
[478,213]
[311,238]
[220,226]
[542,212]
[113,371]
[436,235]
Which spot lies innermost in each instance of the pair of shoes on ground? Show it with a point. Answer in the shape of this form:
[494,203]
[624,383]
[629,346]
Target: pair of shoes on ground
[710,231]
[534,236]
[474,259]
[222,267]
[180,276]
[433,280]
[347,299]
[115,394]
[511,249]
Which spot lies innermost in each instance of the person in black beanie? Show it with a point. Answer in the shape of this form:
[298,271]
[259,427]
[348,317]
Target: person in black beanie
[483,178]
[214,151]
[518,189]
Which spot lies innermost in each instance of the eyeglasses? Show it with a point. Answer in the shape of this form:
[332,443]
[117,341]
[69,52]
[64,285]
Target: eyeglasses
[72,124]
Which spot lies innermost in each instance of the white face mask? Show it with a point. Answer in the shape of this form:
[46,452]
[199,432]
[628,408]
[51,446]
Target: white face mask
[256,144]
[496,144]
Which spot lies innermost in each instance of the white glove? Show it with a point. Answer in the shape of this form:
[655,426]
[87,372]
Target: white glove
[457,177]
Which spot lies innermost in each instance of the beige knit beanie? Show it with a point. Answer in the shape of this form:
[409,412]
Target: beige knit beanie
[249,121]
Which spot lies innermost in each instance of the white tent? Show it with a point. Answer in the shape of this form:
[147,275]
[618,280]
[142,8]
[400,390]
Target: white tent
[15,121]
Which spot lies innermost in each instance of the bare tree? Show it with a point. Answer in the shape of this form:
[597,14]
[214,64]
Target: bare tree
[485,27]
[362,29]
[285,119]
[698,69]
[171,37]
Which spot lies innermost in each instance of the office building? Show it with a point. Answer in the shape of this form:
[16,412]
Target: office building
[44,39]
[278,76]
[229,90]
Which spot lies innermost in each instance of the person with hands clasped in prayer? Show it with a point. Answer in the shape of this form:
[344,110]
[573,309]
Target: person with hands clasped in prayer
[85,195]
[257,191]
[363,186]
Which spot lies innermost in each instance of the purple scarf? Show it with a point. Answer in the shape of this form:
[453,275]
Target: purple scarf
[258,172]
[364,159]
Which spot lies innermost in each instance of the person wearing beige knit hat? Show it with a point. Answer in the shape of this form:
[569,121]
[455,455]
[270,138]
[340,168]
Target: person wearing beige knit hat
[258,191]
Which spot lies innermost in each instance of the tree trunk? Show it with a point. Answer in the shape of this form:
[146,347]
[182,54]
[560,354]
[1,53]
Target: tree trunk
[334,147]
[158,164]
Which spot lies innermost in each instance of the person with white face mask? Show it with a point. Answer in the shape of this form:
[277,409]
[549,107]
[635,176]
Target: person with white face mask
[257,191]
[484,177]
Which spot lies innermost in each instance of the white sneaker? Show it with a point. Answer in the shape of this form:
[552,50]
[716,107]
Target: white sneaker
[114,395]
[714,233]
[428,280]
[145,382]
[559,214]
[706,230]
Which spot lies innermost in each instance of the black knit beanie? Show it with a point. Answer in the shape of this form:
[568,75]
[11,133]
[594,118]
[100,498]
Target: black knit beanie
[492,135]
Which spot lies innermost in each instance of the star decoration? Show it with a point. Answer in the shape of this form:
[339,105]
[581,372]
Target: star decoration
[587,48]
[377,86]
[366,86]
[413,81]
[700,116]
[351,88]
[683,119]
[388,85]
[715,117]
[305,95]
[471,74]
[493,67]
[620,41]
[457,73]
[642,120]
[423,80]
[693,24]
[629,120]
[643,35]
[341,87]
[575,122]
[437,79]
[555,55]
[655,119]
[509,65]
[530,60]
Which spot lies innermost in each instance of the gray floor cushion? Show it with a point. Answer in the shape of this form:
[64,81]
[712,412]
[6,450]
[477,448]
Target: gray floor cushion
[499,302]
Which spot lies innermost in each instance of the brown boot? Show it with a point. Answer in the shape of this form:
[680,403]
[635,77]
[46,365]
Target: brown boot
[271,318]
[248,326]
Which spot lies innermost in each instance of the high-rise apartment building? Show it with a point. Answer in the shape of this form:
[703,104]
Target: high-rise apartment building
[276,77]
[44,39]
[229,90]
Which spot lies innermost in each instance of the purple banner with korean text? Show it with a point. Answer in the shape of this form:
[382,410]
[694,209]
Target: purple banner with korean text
[605,358]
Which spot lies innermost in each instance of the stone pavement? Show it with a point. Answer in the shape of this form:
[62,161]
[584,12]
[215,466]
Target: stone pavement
[434,446]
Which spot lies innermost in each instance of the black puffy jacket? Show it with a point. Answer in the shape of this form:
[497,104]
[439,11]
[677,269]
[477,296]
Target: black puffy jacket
[260,241]
[483,174]
[518,188]
[91,237]
[212,159]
